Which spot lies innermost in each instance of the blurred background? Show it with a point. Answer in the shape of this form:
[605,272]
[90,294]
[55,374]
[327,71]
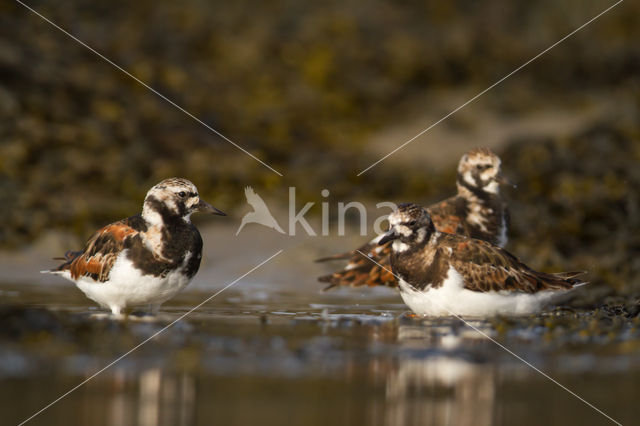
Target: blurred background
[319,91]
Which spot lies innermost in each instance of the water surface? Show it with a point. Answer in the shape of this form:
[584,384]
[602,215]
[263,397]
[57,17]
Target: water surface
[284,357]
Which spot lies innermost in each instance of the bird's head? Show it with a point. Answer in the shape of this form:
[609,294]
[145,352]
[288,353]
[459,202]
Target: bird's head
[410,224]
[175,197]
[479,170]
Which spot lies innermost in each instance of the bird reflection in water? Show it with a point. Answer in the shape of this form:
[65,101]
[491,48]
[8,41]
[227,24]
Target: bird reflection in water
[152,398]
[436,386]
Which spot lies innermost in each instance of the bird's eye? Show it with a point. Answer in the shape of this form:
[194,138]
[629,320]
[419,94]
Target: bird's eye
[182,194]
[412,223]
[483,166]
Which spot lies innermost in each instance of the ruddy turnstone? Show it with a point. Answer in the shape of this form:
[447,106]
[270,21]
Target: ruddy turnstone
[145,259]
[476,211]
[449,274]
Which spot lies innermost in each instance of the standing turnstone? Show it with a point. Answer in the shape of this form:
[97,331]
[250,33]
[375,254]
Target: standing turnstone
[476,211]
[449,274]
[146,258]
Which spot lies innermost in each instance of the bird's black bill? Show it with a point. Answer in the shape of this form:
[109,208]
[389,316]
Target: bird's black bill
[205,207]
[503,180]
[389,236]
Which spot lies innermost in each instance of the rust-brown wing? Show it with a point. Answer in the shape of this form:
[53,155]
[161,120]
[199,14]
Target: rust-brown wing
[370,270]
[486,267]
[100,252]
[447,215]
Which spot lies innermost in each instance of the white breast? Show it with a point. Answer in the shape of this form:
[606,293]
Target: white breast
[453,299]
[127,286]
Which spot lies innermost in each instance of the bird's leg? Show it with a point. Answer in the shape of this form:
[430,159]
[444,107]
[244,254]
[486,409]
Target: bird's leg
[154,308]
[116,311]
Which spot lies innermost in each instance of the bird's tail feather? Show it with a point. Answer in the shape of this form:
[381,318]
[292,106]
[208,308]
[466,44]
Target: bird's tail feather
[567,275]
[339,256]
[570,277]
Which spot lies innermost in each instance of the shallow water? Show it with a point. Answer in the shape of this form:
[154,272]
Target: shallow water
[274,349]
[285,357]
